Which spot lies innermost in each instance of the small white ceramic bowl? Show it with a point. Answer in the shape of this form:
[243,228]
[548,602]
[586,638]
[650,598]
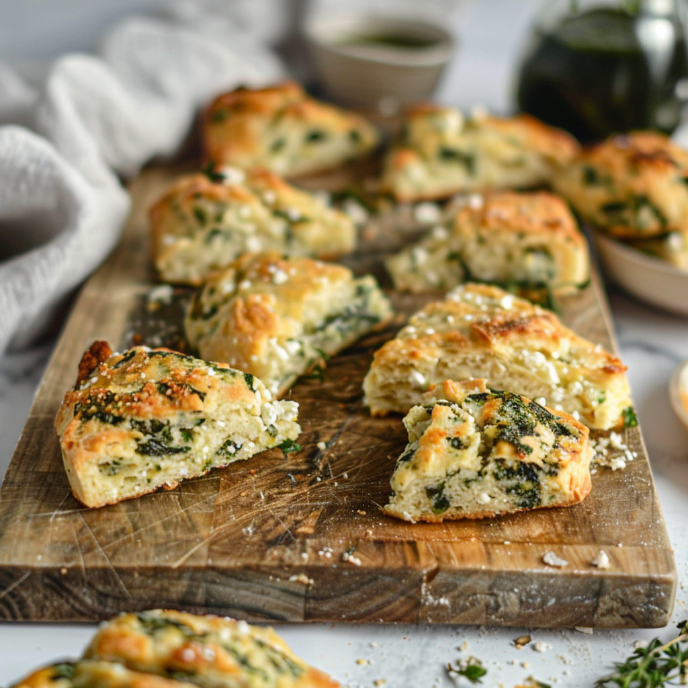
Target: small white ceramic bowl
[648,278]
[360,64]
[678,391]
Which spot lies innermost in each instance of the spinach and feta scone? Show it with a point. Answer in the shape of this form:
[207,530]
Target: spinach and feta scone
[484,331]
[520,240]
[205,221]
[442,152]
[634,187]
[168,649]
[148,418]
[283,129]
[474,452]
[277,317]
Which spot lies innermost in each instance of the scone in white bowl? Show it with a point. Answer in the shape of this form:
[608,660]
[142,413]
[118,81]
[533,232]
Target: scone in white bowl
[648,278]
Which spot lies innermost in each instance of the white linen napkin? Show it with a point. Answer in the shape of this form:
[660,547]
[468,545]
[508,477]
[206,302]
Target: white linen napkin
[93,119]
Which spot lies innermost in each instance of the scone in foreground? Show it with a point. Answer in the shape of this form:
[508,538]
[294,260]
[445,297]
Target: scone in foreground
[283,129]
[483,331]
[205,221]
[441,152]
[168,649]
[276,317]
[478,453]
[635,188]
[148,418]
[521,240]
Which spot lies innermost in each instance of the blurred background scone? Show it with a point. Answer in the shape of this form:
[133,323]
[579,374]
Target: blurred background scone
[523,241]
[283,129]
[205,221]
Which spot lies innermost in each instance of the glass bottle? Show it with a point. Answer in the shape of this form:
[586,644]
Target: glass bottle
[597,68]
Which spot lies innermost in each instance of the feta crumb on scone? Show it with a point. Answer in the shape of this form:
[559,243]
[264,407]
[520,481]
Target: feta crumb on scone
[634,187]
[205,221]
[524,240]
[283,129]
[169,649]
[477,453]
[276,317]
[148,418]
[483,331]
[441,152]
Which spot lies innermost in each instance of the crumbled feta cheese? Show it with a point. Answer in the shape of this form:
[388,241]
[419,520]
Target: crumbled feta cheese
[551,559]
[601,560]
[161,294]
[280,277]
[426,213]
[417,377]
[541,647]
[232,175]
[484,498]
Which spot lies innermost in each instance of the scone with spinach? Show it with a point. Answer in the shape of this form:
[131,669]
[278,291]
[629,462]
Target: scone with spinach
[277,317]
[148,418]
[484,331]
[522,241]
[283,129]
[168,649]
[441,152]
[477,453]
[205,221]
[634,187]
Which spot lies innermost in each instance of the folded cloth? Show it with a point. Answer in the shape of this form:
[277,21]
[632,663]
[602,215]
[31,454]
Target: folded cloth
[94,119]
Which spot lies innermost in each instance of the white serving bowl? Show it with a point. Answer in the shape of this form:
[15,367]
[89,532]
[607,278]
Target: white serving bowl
[374,74]
[678,391]
[648,278]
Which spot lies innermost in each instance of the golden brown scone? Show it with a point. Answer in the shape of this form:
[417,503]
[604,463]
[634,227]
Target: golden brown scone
[205,221]
[478,453]
[283,129]
[95,674]
[441,152]
[524,240]
[483,331]
[634,187]
[276,317]
[148,418]
[204,650]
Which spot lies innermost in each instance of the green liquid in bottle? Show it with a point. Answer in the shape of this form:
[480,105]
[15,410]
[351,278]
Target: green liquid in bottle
[605,71]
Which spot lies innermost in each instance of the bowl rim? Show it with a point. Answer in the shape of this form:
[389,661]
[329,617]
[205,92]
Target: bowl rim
[642,259]
[320,31]
[675,384]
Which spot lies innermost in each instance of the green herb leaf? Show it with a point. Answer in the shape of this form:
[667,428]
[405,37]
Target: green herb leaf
[289,446]
[630,419]
[471,669]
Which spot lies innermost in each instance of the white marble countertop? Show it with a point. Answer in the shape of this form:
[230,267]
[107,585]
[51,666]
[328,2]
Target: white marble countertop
[652,344]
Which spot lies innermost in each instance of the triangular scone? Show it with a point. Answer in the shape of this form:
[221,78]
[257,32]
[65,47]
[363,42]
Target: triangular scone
[204,650]
[168,649]
[441,152]
[284,130]
[528,240]
[478,453]
[276,317]
[148,418]
[206,221]
[483,331]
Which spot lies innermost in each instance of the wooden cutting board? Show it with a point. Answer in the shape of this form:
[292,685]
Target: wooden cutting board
[264,540]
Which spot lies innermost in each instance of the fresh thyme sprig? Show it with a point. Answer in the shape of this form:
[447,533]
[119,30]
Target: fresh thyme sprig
[654,666]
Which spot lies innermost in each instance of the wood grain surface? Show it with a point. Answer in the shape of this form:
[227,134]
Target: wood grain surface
[264,539]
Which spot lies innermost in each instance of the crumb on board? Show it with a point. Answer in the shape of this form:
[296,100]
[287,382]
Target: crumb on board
[521,641]
[551,559]
[601,560]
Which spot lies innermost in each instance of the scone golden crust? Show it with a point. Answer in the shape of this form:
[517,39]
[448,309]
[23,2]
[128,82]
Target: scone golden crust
[483,331]
[441,153]
[96,674]
[284,130]
[633,186]
[478,453]
[205,221]
[148,418]
[276,317]
[522,239]
[207,651]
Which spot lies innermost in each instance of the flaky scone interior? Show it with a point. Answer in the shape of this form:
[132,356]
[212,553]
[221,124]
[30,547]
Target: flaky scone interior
[520,240]
[477,453]
[148,418]
[283,129]
[205,221]
[276,317]
[484,331]
[442,152]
